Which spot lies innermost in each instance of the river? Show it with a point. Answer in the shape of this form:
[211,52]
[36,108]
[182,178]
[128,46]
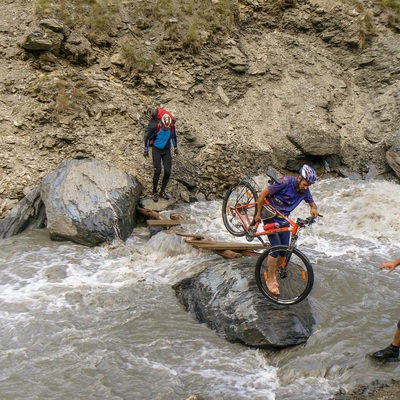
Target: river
[104,323]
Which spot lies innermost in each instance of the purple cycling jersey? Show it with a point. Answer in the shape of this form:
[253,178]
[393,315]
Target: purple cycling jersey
[284,196]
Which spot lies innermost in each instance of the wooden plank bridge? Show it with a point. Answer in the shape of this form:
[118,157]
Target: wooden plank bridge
[225,249]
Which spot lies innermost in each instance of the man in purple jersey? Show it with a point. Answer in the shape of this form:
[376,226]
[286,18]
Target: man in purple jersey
[285,196]
[392,351]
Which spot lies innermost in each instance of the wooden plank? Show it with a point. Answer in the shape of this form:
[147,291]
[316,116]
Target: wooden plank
[201,241]
[163,222]
[210,245]
[190,235]
[227,250]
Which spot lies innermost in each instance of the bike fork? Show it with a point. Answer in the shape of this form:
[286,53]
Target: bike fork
[283,271]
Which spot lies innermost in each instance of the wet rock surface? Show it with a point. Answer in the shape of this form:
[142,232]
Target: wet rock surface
[225,297]
[90,202]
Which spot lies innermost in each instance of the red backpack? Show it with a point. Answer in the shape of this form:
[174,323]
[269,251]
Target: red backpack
[162,111]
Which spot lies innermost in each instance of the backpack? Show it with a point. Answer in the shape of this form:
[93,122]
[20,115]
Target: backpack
[162,111]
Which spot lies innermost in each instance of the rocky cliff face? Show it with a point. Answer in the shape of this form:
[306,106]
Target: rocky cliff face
[289,82]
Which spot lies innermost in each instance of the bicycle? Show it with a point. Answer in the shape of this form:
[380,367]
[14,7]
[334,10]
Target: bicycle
[295,274]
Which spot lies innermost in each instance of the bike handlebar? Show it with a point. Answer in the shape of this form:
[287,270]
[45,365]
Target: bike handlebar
[308,221]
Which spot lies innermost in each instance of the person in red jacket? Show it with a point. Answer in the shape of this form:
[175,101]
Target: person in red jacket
[160,135]
[392,351]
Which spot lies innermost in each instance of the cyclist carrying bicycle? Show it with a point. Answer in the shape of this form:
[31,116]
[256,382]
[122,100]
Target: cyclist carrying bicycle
[285,196]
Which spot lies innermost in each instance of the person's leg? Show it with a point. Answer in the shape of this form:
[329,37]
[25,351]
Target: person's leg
[272,265]
[157,168]
[275,259]
[167,164]
[393,350]
[396,339]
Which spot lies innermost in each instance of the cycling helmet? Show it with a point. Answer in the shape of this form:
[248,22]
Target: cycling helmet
[166,120]
[308,173]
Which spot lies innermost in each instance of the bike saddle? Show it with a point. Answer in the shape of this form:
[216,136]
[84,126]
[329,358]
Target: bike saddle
[272,174]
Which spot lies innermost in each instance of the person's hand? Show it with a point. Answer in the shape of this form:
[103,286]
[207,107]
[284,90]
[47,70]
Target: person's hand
[257,218]
[146,152]
[389,265]
[176,151]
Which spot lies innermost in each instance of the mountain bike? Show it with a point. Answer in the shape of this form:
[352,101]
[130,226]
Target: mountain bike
[295,274]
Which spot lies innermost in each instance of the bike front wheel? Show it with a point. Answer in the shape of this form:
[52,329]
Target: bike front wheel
[234,210]
[295,280]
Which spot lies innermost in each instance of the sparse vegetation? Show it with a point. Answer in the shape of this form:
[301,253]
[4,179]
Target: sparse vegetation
[393,9]
[365,22]
[392,4]
[366,28]
[192,41]
[186,22]
[137,56]
[65,94]
[96,17]
[390,7]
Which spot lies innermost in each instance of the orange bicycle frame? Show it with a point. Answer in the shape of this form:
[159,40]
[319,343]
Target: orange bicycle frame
[241,211]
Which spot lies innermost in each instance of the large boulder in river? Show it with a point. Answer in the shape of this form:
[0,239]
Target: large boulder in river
[29,213]
[225,297]
[89,202]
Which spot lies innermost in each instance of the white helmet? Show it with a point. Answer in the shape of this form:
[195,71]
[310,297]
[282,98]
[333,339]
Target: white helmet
[308,173]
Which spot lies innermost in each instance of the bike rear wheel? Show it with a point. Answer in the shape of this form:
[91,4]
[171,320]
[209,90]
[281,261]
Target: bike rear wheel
[295,280]
[240,194]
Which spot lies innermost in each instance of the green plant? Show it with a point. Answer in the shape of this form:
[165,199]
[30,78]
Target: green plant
[95,16]
[365,29]
[188,7]
[187,24]
[137,56]
[41,6]
[392,4]
[392,8]
[191,41]
[164,8]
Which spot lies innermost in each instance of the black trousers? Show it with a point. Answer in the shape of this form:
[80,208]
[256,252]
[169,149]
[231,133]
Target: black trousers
[163,156]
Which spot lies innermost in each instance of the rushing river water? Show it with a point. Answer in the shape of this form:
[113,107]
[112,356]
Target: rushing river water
[104,323]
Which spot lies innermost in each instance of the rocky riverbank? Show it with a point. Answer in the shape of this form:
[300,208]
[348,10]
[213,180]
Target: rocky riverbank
[389,391]
[299,81]
[308,81]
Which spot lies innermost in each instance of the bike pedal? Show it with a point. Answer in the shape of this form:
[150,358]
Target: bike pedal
[250,234]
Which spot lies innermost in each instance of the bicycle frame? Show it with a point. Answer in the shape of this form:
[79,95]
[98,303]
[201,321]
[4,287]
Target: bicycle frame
[251,228]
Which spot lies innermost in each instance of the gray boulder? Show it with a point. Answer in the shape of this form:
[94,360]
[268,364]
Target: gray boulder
[90,202]
[226,298]
[316,141]
[393,154]
[29,213]
[42,39]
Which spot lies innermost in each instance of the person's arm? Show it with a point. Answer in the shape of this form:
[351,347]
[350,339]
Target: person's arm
[390,265]
[174,139]
[260,202]
[314,210]
[313,206]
